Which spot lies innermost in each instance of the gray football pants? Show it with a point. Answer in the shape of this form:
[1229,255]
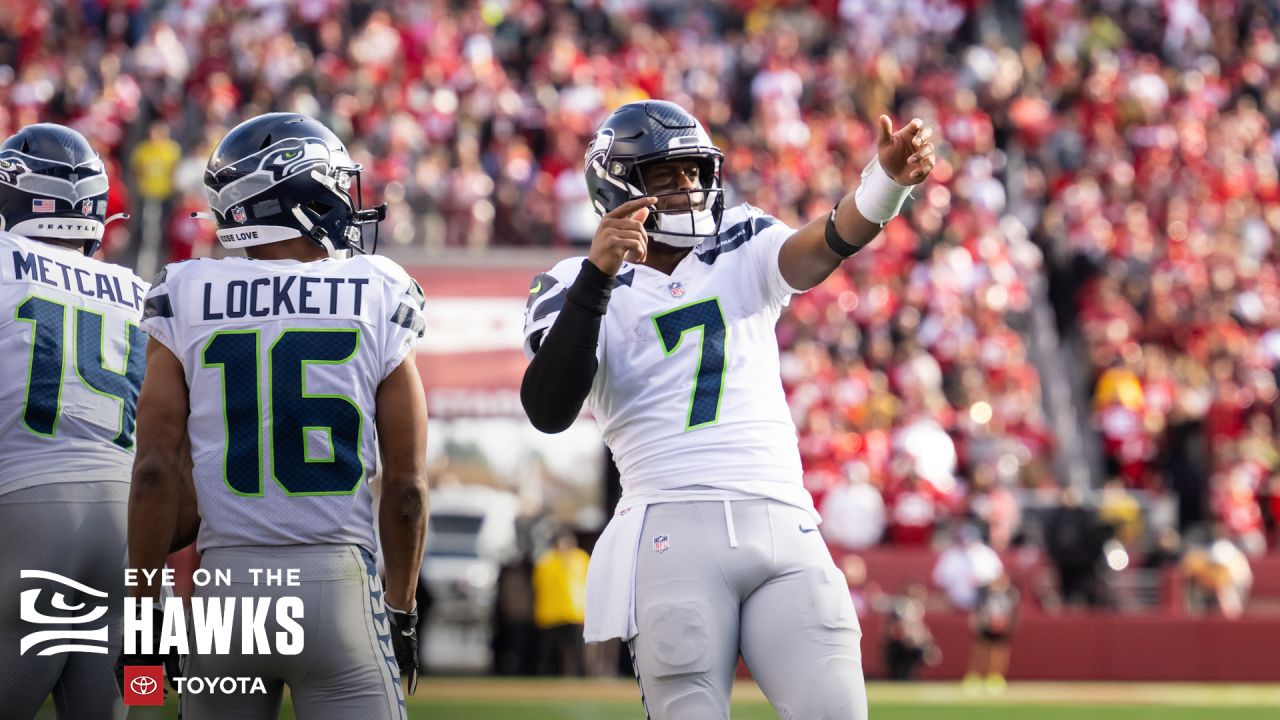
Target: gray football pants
[76,530]
[347,668]
[714,579]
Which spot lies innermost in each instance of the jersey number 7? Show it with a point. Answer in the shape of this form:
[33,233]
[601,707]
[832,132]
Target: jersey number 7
[708,381]
[295,413]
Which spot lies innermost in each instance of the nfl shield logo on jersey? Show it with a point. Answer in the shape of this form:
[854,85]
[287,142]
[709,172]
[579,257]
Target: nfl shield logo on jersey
[86,207]
[676,289]
[661,543]
[238,214]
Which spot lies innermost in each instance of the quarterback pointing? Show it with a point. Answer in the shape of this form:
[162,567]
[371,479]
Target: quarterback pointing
[666,331]
[292,372]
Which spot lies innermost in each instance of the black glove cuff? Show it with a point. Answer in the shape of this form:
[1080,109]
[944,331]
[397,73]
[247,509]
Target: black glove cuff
[591,290]
[404,621]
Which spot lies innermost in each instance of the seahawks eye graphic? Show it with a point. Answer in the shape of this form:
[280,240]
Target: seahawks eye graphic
[295,157]
[88,609]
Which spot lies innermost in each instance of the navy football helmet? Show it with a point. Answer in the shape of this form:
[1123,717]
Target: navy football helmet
[652,131]
[280,175]
[53,185]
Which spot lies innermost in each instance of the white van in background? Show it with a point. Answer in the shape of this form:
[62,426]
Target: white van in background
[471,534]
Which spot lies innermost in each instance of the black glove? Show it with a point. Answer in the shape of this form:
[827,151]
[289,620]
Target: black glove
[169,661]
[404,639]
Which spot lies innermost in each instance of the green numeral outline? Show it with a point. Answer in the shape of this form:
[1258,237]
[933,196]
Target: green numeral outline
[31,362]
[305,395]
[328,433]
[102,353]
[697,376]
[226,425]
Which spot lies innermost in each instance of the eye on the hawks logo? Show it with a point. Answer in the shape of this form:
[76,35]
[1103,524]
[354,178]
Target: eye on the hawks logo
[68,603]
[238,214]
[676,289]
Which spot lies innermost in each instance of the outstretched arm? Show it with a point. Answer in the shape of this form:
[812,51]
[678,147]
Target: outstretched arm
[903,159]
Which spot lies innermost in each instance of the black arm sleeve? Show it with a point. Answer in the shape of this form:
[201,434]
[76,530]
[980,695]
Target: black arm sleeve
[559,377]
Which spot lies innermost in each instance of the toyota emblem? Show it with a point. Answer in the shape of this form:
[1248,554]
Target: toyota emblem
[143,685]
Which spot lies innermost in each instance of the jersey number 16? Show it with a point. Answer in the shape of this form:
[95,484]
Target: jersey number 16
[294,415]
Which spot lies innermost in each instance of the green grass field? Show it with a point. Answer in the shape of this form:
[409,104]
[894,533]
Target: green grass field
[501,699]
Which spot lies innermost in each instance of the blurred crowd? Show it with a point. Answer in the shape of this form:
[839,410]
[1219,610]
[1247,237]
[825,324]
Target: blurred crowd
[1138,142]
[925,409]
[1153,149]
[1125,151]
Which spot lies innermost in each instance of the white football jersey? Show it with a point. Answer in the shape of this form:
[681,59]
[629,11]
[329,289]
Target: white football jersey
[71,365]
[283,360]
[688,393]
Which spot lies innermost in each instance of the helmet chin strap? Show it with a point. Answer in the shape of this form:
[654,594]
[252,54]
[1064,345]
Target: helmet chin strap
[693,227]
[315,232]
[678,241]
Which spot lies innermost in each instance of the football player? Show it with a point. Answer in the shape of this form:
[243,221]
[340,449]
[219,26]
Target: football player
[72,362]
[292,370]
[666,331]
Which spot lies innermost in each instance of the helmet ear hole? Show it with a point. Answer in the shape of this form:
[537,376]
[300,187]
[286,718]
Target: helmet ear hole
[319,208]
[636,180]
[707,172]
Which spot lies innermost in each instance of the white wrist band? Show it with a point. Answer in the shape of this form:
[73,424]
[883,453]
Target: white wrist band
[878,197]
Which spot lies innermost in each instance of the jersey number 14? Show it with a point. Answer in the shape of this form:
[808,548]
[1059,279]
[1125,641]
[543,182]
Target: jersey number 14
[42,407]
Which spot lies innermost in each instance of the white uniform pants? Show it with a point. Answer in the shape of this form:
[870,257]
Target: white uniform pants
[77,530]
[715,579]
[346,670]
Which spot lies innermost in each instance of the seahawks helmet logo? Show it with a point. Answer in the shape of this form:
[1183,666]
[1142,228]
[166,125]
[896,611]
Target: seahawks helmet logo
[289,156]
[260,171]
[295,157]
[86,180]
[11,167]
[600,146]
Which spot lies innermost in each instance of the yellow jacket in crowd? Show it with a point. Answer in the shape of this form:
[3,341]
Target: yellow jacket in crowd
[560,587]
